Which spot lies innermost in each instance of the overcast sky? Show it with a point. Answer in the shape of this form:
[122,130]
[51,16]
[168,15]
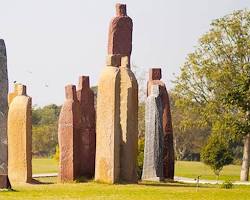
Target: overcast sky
[52,42]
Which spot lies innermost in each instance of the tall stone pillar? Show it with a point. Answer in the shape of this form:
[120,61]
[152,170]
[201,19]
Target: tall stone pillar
[153,149]
[128,122]
[108,133]
[168,152]
[20,136]
[117,107]
[4,181]
[87,133]
[68,136]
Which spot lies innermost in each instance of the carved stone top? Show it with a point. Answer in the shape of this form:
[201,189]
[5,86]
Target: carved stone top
[83,82]
[2,48]
[70,92]
[120,32]
[21,89]
[154,74]
[121,9]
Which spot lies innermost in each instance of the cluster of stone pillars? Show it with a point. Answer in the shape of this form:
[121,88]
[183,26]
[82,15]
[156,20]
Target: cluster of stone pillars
[76,132]
[102,143]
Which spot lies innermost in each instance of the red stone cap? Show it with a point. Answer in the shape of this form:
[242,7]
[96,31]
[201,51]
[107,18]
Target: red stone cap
[70,92]
[83,82]
[20,89]
[121,10]
[155,74]
[113,60]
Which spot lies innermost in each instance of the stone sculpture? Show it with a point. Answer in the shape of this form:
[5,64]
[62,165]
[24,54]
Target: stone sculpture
[153,149]
[20,136]
[68,136]
[120,32]
[87,133]
[168,152]
[117,107]
[4,181]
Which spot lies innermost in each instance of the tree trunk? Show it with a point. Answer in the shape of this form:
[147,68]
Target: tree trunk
[244,174]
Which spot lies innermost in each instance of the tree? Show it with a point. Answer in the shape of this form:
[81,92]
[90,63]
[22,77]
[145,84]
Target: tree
[214,81]
[44,129]
[216,154]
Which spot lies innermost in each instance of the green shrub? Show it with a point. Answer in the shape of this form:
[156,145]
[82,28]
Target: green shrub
[227,184]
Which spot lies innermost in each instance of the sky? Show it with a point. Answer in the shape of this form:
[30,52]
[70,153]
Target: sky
[50,43]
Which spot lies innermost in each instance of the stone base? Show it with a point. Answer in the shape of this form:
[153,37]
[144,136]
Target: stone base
[4,182]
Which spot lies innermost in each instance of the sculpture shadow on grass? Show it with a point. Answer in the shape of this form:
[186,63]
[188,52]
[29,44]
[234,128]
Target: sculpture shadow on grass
[38,182]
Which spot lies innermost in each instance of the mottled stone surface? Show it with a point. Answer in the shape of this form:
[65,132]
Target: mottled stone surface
[108,133]
[168,153]
[3,117]
[87,133]
[117,107]
[68,136]
[128,122]
[20,137]
[120,32]
[153,149]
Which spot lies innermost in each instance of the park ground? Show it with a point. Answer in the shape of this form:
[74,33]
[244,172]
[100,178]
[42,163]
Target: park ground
[46,188]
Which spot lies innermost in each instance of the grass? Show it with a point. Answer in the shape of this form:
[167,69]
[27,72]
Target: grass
[182,168]
[142,191]
[44,165]
[194,169]
[49,189]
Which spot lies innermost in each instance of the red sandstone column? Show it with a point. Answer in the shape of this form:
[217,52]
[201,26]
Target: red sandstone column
[87,133]
[168,152]
[120,32]
[68,136]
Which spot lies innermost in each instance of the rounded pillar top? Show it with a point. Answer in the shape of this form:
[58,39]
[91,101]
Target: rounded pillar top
[70,92]
[155,74]
[83,82]
[121,10]
[2,47]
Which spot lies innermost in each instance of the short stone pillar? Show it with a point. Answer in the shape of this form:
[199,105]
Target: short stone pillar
[20,136]
[87,133]
[68,136]
[4,181]
[153,149]
[168,152]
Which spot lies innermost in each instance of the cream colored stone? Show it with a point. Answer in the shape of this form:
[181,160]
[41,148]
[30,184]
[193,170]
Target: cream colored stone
[108,133]
[129,124]
[20,137]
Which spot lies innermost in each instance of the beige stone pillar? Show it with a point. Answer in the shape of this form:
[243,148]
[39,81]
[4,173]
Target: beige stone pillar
[108,133]
[20,136]
[129,122]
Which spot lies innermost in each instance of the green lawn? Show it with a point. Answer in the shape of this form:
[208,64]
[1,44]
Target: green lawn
[49,189]
[142,191]
[194,169]
[182,168]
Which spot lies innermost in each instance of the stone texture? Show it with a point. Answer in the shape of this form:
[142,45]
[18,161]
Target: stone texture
[20,137]
[4,182]
[120,32]
[87,133]
[128,122]
[117,107]
[168,153]
[108,133]
[153,149]
[68,136]
[117,123]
